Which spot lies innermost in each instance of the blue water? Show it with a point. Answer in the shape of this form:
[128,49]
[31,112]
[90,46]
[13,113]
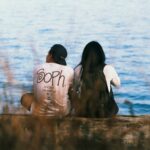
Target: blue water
[29,28]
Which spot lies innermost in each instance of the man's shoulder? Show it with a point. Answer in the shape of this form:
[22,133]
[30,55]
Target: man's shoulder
[47,65]
[40,66]
[69,69]
[54,66]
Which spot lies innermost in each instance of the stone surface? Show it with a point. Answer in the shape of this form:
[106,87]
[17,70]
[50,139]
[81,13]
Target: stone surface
[25,132]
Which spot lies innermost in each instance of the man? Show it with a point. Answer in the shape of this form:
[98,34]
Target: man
[51,83]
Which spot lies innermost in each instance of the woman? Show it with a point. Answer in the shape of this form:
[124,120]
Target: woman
[92,83]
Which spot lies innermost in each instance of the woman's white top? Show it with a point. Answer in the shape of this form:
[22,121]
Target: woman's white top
[110,73]
[51,83]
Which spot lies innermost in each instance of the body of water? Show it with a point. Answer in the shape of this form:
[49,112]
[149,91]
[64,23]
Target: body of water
[29,28]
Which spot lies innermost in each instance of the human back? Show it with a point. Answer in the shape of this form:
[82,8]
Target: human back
[51,85]
[94,96]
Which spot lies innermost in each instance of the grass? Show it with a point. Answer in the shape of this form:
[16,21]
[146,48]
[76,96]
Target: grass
[44,133]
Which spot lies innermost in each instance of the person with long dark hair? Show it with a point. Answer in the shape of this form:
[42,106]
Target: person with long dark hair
[92,84]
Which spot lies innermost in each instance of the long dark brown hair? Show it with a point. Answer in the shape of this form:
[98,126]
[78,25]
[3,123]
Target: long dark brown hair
[93,60]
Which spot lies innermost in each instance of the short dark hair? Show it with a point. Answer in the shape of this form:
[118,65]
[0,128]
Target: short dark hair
[59,54]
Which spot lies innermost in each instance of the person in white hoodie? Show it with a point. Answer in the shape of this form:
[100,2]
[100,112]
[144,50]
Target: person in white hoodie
[51,83]
[93,95]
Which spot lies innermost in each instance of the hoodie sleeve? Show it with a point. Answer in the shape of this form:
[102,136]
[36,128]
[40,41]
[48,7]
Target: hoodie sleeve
[112,76]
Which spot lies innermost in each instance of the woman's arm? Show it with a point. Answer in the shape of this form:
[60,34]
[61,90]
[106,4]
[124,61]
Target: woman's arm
[115,78]
[112,76]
